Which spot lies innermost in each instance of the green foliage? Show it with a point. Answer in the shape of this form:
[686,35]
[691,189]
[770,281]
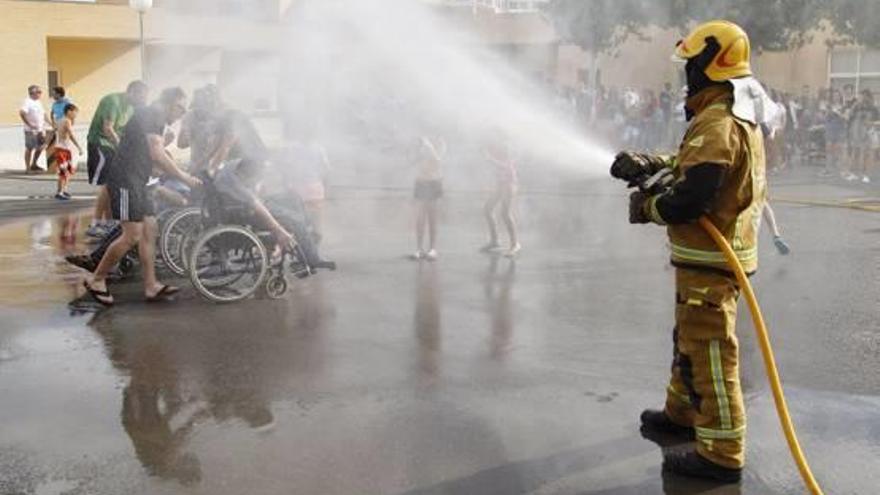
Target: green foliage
[601,25]
[771,24]
[854,21]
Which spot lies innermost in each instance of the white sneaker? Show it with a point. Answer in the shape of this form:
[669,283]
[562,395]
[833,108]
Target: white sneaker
[866,180]
[513,251]
[417,255]
[850,176]
[431,255]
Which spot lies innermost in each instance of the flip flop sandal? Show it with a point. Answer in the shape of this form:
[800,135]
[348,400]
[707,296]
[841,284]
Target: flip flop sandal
[101,296]
[164,293]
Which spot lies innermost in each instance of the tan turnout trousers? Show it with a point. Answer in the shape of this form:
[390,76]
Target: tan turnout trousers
[704,391]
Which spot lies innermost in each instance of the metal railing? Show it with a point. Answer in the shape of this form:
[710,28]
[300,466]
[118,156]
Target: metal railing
[500,6]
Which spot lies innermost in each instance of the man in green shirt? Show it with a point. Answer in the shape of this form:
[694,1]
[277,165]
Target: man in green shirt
[114,111]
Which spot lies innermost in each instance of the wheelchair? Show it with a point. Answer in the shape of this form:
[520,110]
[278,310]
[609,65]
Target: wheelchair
[230,258]
[168,214]
[176,237]
[178,229]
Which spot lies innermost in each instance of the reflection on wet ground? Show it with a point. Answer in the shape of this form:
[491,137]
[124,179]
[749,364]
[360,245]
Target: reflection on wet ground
[472,375]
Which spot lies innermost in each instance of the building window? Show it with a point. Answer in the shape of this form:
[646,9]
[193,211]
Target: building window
[856,66]
[54,78]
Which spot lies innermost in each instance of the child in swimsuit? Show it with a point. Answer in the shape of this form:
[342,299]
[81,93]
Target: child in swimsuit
[63,152]
[502,202]
[428,191]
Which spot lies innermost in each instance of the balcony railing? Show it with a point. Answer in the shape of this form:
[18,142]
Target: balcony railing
[500,6]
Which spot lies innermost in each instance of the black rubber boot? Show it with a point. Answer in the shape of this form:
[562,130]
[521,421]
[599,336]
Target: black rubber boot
[654,421]
[694,465]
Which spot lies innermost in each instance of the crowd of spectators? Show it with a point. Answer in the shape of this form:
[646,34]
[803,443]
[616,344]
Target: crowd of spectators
[835,130]
[830,132]
[628,118]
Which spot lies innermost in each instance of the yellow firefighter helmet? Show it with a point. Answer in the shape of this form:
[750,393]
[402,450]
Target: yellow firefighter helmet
[732,60]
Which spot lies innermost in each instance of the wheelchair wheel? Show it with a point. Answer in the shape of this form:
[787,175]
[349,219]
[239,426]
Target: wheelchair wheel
[175,235]
[126,265]
[228,264]
[276,287]
[163,216]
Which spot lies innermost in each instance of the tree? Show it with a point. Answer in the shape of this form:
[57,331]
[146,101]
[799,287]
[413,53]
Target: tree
[854,21]
[601,25]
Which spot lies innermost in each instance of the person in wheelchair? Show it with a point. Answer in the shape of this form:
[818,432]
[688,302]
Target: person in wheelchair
[238,165]
[237,182]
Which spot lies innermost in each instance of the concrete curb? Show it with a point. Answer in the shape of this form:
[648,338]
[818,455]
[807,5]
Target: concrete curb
[80,176]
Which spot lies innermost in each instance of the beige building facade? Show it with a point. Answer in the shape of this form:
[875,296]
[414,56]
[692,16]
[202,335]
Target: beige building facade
[92,47]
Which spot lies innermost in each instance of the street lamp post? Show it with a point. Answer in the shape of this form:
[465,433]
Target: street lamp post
[142,6]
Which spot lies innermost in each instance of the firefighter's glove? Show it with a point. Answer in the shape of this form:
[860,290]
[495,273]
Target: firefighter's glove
[635,167]
[638,202]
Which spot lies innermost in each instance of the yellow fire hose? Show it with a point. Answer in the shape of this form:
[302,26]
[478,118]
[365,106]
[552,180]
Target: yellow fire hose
[767,353]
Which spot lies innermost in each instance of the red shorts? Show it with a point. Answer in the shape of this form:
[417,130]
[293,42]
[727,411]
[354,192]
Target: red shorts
[64,160]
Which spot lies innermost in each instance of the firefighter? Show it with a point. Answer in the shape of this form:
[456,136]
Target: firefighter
[718,172]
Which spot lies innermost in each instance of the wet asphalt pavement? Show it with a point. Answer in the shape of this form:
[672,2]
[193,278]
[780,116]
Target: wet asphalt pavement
[471,375]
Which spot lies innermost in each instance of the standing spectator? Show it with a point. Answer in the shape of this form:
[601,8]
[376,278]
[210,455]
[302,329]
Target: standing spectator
[141,149]
[665,102]
[835,134]
[65,141]
[105,134]
[656,122]
[861,120]
[632,119]
[792,130]
[59,94]
[774,134]
[874,138]
[586,100]
[34,118]
[679,116]
[849,97]
[803,111]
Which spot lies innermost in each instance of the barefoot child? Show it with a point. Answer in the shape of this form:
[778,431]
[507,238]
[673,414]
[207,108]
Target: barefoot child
[428,190]
[64,144]
[502,201]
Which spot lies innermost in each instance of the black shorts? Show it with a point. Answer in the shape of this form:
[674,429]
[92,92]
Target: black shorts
[98,162]
[131,204]
[429,190]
